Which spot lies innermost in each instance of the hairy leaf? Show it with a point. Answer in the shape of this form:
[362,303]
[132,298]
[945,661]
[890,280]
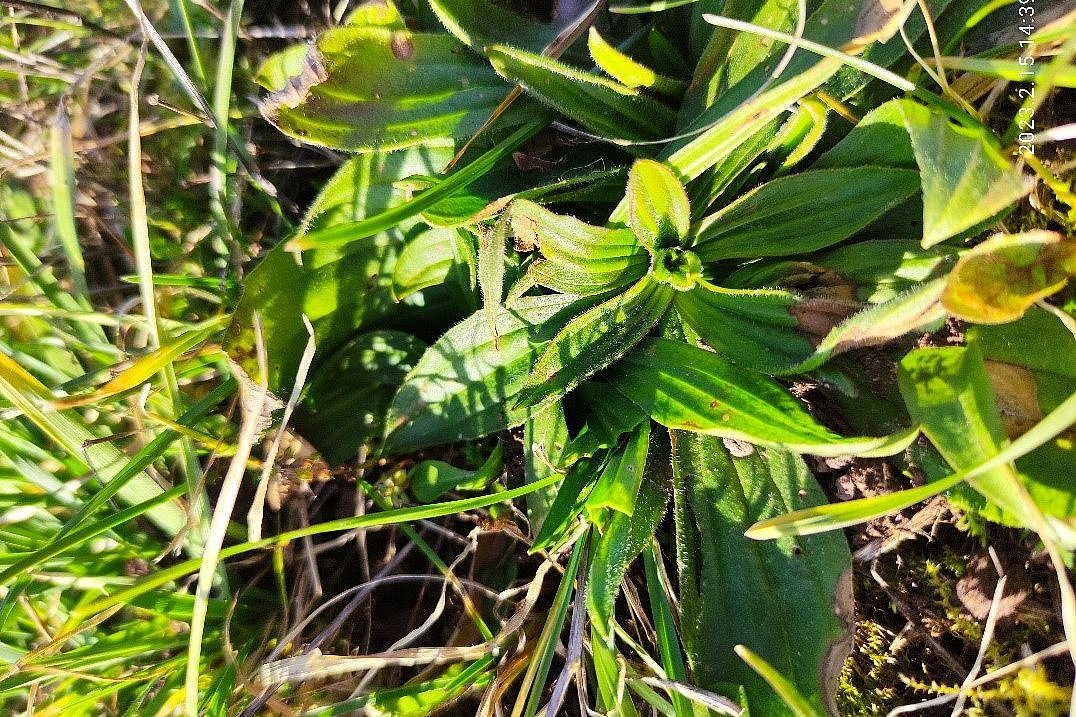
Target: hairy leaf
[658,209]
[753,327]
[464,385]
[622,538]
[791,597]
[594,340]
[578,258]
[603,106]
[377,88]
[692,389]
[803,212]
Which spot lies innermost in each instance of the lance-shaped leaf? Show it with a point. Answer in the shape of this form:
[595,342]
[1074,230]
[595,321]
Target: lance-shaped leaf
[594,340]
[464,385]
[545,436]
[609,414]
[377,88]
[689,388]
[966,180]
[626,70]
[603,106]
[433,256]
[619,483]
[948,390]
[491,249]
[658,210]
[1000,279]
[791,598]
[481,23]
[578,258]
[622,538]
[914,310]
[803,212]
[343,288]
[345,399]
[753,327]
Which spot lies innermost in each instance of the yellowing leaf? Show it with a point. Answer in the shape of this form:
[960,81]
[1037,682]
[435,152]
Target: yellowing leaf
[1001,278]
[141,370]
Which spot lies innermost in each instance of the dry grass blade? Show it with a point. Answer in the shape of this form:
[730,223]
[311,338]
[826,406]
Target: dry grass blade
[222,515]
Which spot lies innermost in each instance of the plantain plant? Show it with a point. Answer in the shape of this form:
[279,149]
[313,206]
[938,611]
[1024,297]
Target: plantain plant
[678,222]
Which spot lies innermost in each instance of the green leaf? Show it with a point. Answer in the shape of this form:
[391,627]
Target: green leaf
[430,480]
[345,399]
[881,269]
[609,414]
[545,439]
[578,258]
[786,595]
[729,127]
[432,257]
[966,180]
[794,700]
[278,69]
[464,385]
[594,340]
[803,212]
[377,88]
[603,106]
[949,392]
[626,70]
[1038,340]
[1012,70]
[753,327]
[340,289]
[481,23]
[620,480]
[491,251]
[914,310]
[692,389]
[1000,279]
[880,139]
[658,210]
[841,515]
[622,538]
[568,504]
